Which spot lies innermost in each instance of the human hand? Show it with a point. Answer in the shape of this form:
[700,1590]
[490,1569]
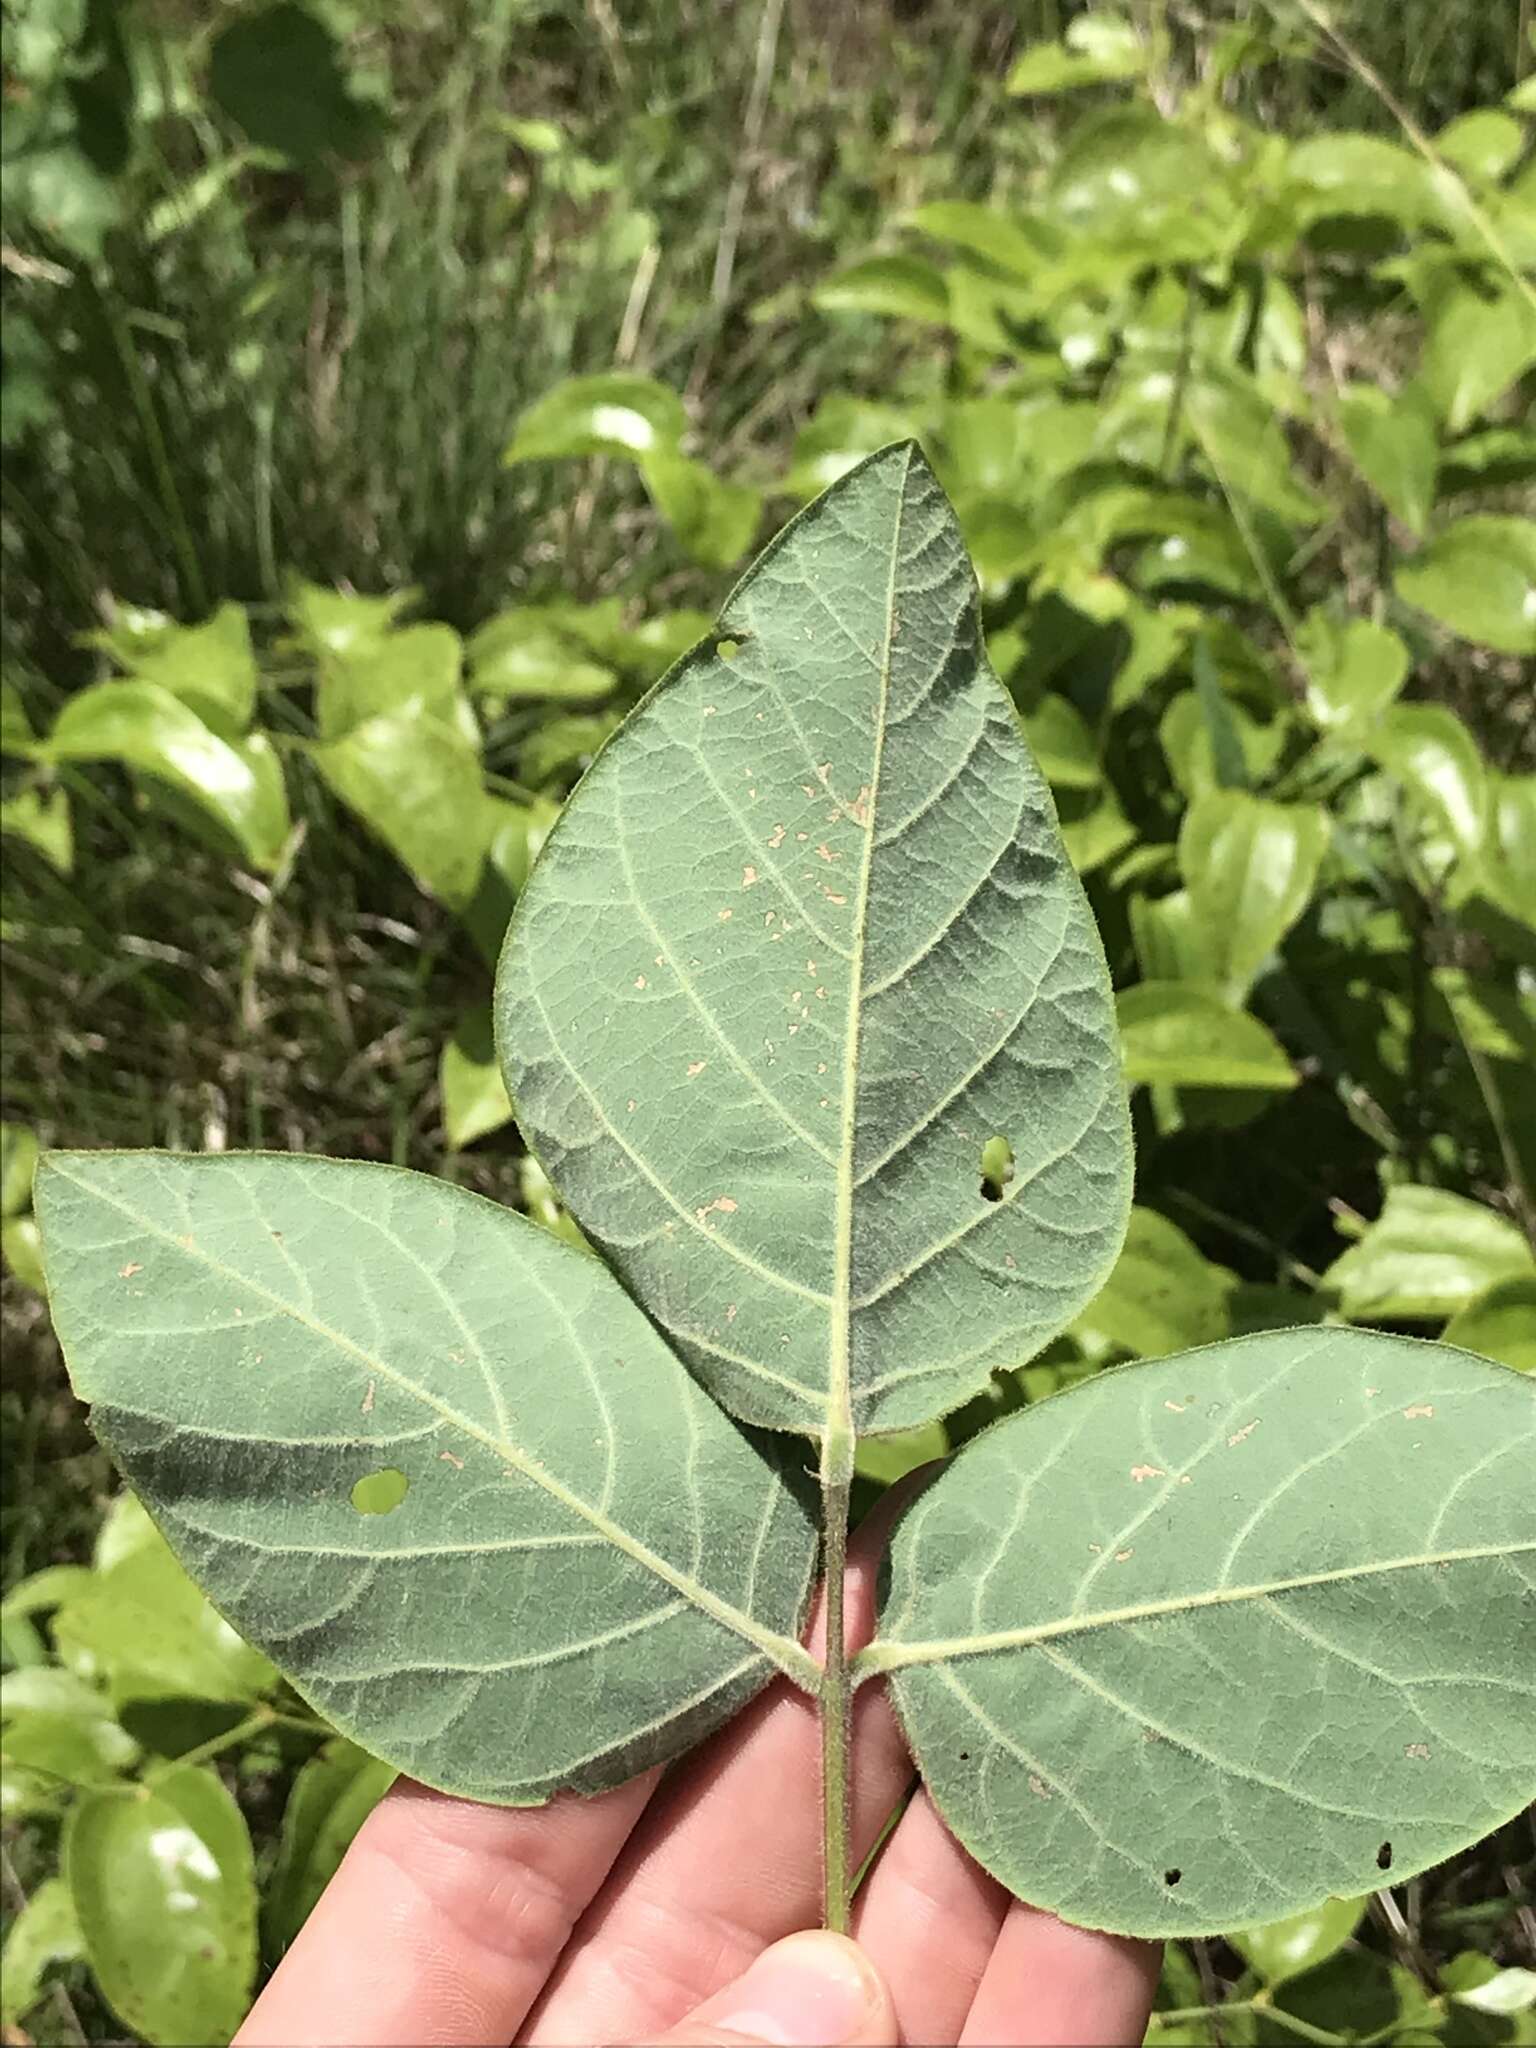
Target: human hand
[660,1911]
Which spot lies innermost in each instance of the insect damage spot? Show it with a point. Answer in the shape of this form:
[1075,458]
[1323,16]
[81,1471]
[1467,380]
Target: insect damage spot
[748,876]
[367,1407]
[1140,1472]
[1243,1434]
[1419,1751]
[380,1493]
[127,1272]
[727,649]
[1039,1787]
[696,1068]
[1171,1877]
[722,1203]
[1413,1414]
[1384,1856]
[996,1168]
[447,1457]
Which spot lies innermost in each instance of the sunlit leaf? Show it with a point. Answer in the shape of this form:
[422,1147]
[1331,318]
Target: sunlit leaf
[1178,1035]
[1500,1323]
[277,71]
[1430,752]
[617,413]
[522,654]
[416,668]
[1428,1255]
[1159,1677]
[1284,1948]
[1476,343]
[1478,578]
[210,666]
[714,519]
[43,1933]
[474,1095]
[847,950]
[902,287]
[238,784]
[260,1334]
[1250,867]
[164,1888]
[1163,1294]
[1392,440]
[1355,668]
[42,818]
[1097,49]
[416,782]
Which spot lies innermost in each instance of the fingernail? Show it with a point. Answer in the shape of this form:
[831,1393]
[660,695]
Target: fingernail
[807,1989]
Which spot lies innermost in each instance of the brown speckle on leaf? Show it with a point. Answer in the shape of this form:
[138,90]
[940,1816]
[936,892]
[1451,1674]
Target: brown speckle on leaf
[127,1272]
[724,1203]
[748,876]
[1122,1555]
[447,1458]
[726,916]
[1039,1787]
[630,1105]
[1419,1751]
[697,1068]
[824,852]
[639,981]
[1242,1435]
[833,897]
[1413,1414]
[776,838]
[730,1311]
[1174,1407]
[368,1397]
[1140,1472]
[858,810]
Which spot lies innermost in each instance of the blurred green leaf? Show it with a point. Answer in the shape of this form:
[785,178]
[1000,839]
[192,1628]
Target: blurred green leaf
[1361,174]
[277,73]
[22,1245]
[1014,245]
[163,1883]
[18,1167]
[469,1077]
[1428,1255]
[1163,1295]
[239,785]
[885,1459]
[42,818]
[43,1933]
[1500,1323]
[1176,1034]
[1475,1980]
[125,1527]
[900,287]
[1427,749]
[561,744]
[70,1748]
[616,413]
[1355,668]
[1245,444]
[144,1626]
[331,1798]
[1131,179]
[340,622]
[1062,743]
[1482,144]
[841,432]
[210,667]
[1507,875]
[1250,867]
[1478,578]
[1285,1948]
[1097,49]
[416,782]
[1392,440]
[715,520]
[521,654]
[1476,343]
[411,670]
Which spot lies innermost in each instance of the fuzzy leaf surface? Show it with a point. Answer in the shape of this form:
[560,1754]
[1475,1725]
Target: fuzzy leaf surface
[1201,1642]
[805,939]
[590,1566]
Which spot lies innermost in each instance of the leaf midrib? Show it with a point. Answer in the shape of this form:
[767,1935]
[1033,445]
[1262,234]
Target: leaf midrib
[791,1657]
[839,1417]
[885,1655]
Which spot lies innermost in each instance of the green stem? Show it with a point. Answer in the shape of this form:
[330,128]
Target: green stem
[193,587]
[836,1693]
[253,1724]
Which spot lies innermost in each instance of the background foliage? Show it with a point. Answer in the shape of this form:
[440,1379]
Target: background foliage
[389,395]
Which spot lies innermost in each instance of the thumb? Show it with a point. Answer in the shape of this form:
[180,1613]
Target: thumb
[813,1990]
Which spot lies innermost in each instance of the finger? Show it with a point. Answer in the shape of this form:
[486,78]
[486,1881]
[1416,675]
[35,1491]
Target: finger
[810,1988]
[929,1917]
[729,1856]
[1049,1985]
[443,1921]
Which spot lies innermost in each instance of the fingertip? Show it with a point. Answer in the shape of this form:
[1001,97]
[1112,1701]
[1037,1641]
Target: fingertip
[810,1990]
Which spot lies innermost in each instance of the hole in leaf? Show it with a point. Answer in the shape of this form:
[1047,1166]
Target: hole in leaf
[996,1168]
[965,1756]
[1171,1877]
[727,649]
[380,1493]
[1384,1856]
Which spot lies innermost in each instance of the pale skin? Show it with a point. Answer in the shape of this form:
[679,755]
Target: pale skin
[674,1912]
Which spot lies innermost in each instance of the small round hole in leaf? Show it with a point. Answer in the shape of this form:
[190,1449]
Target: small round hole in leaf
[996,1168]
[1171,1877]
[727,649]
[1384,1856]
[380,1493]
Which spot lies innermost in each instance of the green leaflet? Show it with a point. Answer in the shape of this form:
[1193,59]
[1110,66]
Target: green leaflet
[591,1566]
[805,940]
[1203,1641]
